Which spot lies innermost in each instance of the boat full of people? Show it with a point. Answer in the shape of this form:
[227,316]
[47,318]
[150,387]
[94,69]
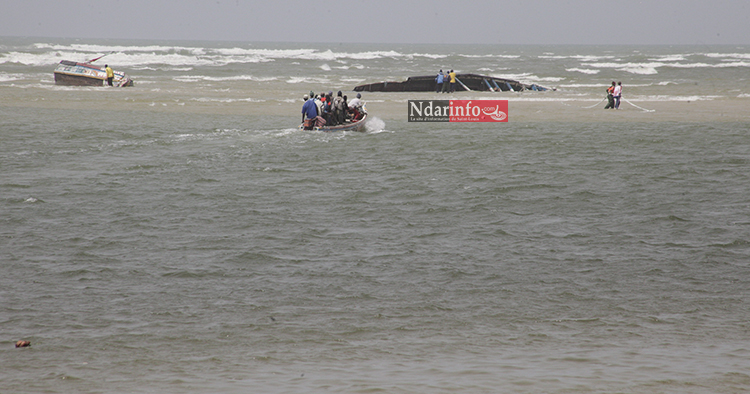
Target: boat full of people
[324,112]
[70,73]
[357,125]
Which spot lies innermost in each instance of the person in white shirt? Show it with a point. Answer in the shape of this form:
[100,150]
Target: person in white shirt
[355,106]
[617,94]
[356,102]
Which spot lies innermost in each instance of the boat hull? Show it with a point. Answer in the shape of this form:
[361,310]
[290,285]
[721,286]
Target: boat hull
[472,82]
[76,80]
[355,126]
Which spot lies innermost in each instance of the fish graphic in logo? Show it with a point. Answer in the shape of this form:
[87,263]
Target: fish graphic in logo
[495,113]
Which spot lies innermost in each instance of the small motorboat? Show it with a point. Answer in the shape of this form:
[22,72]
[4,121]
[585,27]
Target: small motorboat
[358,125]
[70,73]
[347,126]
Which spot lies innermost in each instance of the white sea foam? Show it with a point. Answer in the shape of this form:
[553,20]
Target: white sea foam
[147,68]
[514,76]
[309,80]
[182,58]
[582,58]
[82,52]
[633,68]
[375,125]
[104,49]
[131,56]
[121,59]
[492,56]
[639,69]
[429,56]
[527,78]
[728,55]
[546,79]
[194,78]
[651,67]
[676,98]
[4,77]
[707,65]
[226,100]
[353,80]
[669,58]
[583,70]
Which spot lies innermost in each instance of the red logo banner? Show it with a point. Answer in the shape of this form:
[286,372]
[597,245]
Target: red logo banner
[458,110]
[478,111]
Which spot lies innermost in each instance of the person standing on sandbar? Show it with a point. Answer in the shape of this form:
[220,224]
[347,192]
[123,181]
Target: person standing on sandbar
[617,94]
[610,96]
[110,74]
[439,79]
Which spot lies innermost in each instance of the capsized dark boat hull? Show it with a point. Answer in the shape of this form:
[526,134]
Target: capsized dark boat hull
[482,83]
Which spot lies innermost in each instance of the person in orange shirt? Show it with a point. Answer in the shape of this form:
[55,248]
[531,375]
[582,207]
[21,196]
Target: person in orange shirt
[610,96]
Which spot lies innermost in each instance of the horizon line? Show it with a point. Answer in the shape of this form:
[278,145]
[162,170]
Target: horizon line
[367,42]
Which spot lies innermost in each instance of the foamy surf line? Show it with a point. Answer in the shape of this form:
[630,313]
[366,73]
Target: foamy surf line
[133,56]
[548,99]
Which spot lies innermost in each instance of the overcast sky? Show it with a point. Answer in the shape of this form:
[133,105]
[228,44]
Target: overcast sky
[386,21]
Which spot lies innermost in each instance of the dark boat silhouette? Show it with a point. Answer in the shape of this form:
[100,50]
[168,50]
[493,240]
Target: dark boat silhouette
[465,82]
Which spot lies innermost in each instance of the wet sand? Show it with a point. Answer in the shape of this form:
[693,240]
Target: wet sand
[531,107]
[735,110]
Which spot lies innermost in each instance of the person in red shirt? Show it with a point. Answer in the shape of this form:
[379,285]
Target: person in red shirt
[610,96]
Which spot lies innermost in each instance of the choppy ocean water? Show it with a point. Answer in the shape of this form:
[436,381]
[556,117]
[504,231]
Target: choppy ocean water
[183,236]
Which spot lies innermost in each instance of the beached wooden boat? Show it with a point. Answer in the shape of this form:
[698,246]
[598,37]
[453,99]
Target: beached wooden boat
[474,82]
[86,74]
[348,126]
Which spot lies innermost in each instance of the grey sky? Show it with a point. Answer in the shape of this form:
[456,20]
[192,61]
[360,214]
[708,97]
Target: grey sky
[387,21]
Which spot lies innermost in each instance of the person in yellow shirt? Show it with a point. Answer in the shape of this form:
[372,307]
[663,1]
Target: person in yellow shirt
[452,74]
[110,74]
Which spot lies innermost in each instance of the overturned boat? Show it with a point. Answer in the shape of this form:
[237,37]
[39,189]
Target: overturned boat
[70,73]
[464,82]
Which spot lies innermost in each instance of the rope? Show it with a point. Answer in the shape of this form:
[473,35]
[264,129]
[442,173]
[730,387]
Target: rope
[643,109]
[592,106]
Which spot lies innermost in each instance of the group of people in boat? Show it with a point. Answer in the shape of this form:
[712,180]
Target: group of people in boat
[325,110]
